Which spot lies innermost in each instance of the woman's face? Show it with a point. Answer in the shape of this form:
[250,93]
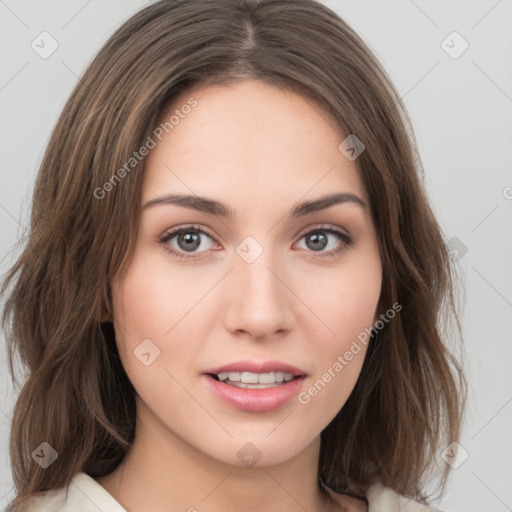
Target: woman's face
[275,282]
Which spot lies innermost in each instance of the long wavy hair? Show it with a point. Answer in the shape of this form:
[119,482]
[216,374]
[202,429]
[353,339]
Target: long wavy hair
[408,403]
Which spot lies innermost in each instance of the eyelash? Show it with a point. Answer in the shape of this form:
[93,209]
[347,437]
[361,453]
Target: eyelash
[166,237]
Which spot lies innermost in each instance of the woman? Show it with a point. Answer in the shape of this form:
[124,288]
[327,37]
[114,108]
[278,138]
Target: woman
[231,293]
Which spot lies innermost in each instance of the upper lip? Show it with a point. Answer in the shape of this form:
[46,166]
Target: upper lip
[257,367]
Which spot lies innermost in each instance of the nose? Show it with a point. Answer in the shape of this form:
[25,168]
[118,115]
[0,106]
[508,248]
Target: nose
[259,301]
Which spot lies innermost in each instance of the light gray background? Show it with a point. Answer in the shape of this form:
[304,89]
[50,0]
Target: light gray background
[461,109]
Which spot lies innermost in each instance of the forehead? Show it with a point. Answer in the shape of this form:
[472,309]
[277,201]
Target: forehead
[249,138]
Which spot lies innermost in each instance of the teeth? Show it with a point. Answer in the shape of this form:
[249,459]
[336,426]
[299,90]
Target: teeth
[263,378]
[251,378]
[255,378]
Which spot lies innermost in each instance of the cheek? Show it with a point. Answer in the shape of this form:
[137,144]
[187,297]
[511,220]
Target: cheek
[164,304]
[346,300]
[348,306]
[355,301]
[154,295]
[145,307]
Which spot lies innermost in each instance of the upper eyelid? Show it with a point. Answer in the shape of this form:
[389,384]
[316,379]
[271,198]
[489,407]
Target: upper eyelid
[322,226]
[175,231]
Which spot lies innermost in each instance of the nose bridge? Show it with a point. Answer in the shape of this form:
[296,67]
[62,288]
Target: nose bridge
[259,300]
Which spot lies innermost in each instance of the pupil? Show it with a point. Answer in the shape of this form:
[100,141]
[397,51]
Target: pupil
[192,241]
[319,241]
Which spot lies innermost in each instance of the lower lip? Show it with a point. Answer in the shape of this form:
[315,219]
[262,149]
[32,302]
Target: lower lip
[255,400]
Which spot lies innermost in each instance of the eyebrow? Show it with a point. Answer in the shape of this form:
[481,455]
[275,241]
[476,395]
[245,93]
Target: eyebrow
[212,207]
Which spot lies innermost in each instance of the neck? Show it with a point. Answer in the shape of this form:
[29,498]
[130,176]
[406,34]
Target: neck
[162,472]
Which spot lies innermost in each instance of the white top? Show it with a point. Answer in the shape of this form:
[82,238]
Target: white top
[84,494]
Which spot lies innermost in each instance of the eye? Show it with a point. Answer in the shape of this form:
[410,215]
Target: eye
[188,240]
[184,242]
[320,238]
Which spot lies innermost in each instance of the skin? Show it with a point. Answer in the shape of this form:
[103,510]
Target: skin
[260,150]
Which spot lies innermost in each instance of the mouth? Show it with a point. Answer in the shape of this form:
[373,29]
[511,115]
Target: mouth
[254,375]
[250,380]
[255,387]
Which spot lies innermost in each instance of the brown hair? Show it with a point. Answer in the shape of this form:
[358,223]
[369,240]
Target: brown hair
[76,396]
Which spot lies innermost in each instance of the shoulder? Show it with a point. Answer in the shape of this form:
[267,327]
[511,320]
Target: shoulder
[83,494]
[384,499]
[380,499]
